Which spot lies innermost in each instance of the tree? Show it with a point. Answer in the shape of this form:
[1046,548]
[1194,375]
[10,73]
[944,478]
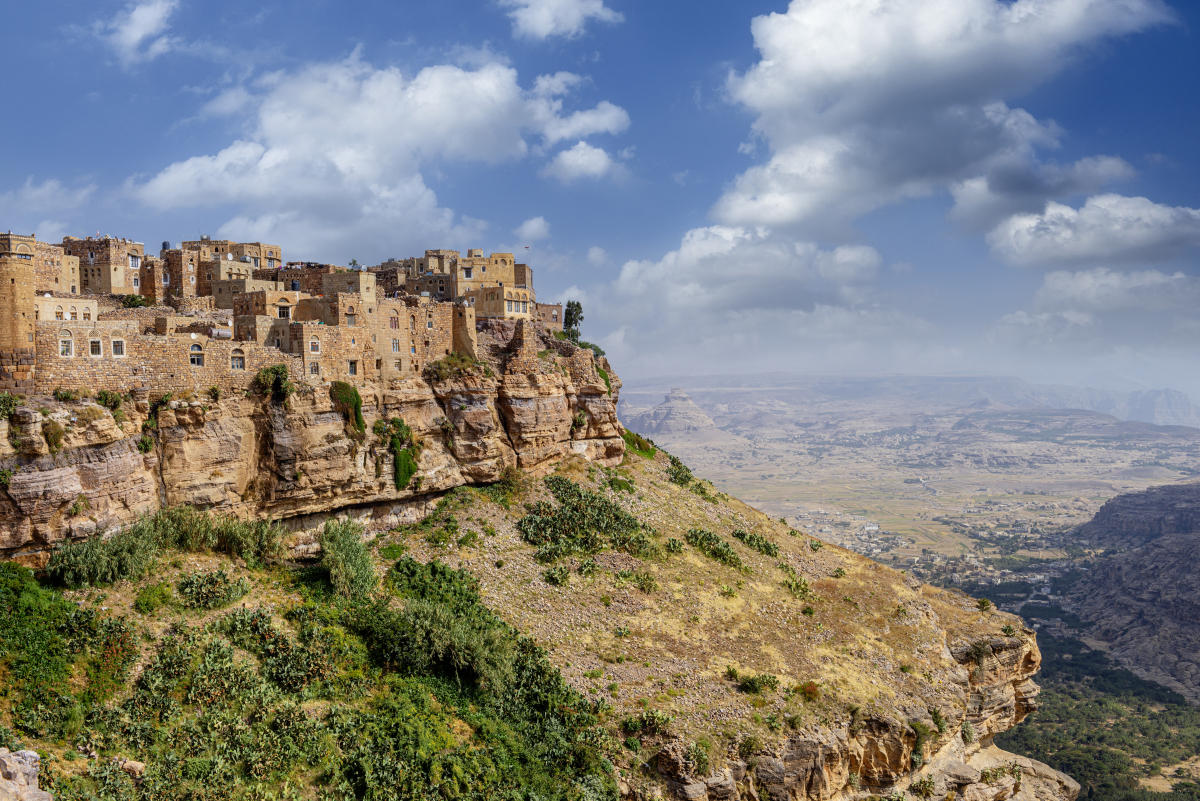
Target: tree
[353,264]
[572,318]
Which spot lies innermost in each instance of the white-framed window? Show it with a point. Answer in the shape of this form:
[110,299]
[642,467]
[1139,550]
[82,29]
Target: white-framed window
[196,356]
[137,282]
[399,365]
[395,346]
[314,346]
[66,345]
[135,262]
[193,279]
[118,348]
[166,279]
[429,323]
[74,314]
[237,360]
[509,308]
[95,348]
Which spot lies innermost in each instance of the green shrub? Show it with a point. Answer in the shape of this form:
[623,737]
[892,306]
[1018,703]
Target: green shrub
[650,721]
[54,434]
[588,567]
[347,559]
[939,719]
[6,475]
[760,683]
[214,393]
[749,746]
[984,605]
[109,400]
[713,547]
[678,472]
[65,395]
[401,444]
[923,787]
[585,523]
[8,404]
[145,443]
[839,573]
[639,444]
[152,597]
[757,541]
[697,754]
[604,376]
[456,365]
[923,733]
[275,381]
[557,576]
[968,732]
[347,400]
[674,546]
[211,590]
[815,545]
[133,302]
[1008,630]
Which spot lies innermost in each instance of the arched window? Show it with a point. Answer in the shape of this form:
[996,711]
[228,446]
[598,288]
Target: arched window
[351,318]
[237,360]
[66,345]
[196,356]
[314,345]
[74,314]
[87,314]
[58,313]
[412,322]
[285,311]
[394,320]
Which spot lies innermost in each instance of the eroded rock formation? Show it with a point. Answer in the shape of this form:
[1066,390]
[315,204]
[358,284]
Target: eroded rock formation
[532,401]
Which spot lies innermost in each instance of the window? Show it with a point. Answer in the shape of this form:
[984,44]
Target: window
[394,322]
[554,316]
[136,283]
[314,369]
[118,347]
[66,347]
[237,361]
[351,319]
[285,312]
[74,314]
[412,322]
[509,302]
[467,273]
[314,346]
[196,356]
[166,279]
[255,262]
[135,262]
[193,279]
[395,346]
[353,368]
[429,323]
[525,306]
[379,364]
[398,366]
[58,313]
[87,314]
[414,349]
[94,348]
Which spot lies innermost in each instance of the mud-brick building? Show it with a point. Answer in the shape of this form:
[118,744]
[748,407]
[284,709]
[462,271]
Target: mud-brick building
[107,265]
[54,269]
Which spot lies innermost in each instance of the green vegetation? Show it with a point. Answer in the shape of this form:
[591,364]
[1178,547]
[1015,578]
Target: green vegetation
[133,302]
[639,444]
[145,443]
[65,395]
[132,552]
[347,559]
[679,473]
[274,381]
[713,547]
[54,434]
[763,682]
[757,541]
[210,590]
[603,373]
[584,522]
[418,693]
[346,398]
[456,365]
[1105,726]
[8,404]
[152,597]
[405,449]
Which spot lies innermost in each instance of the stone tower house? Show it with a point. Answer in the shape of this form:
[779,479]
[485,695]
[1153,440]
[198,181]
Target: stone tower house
[16,310]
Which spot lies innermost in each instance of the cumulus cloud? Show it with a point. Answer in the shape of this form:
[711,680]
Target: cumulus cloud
[596,256]
[541,19]
[533,229]
[48,196]
[1108,229]
[581,161]
[1104,290]
[138,33]
[334,152]
[866,102]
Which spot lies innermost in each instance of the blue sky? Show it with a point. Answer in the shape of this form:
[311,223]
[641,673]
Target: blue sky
[821,185]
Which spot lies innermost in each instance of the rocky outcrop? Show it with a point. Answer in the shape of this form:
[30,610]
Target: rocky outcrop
[1145,609]
[1136,518]
[677,414]
[879,754]
[19,776]
[532,402]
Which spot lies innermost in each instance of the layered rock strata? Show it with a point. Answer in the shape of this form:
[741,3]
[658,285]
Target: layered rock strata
[532,401]
[879,754]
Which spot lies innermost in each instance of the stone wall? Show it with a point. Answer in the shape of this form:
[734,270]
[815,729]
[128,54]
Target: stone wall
[186,304]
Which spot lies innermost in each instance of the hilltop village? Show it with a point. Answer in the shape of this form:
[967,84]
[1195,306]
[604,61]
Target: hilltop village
[99,313]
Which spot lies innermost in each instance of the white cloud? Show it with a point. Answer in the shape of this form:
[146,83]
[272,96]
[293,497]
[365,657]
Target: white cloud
[137,33]
[1108,229]
[334,152]
[533,229]
[581,161]
[597,257]
[48,196]
[1104,290]
[541,19]
[866,102]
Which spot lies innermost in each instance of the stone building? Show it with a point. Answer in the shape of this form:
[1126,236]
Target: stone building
[107,265]
[549,315]
[17,313]
[65,308]
[54,269]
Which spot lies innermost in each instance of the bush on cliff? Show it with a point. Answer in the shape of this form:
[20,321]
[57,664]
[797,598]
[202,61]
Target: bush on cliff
[346,398]
[584,522]
[275,381]
[405,449]
[347,559]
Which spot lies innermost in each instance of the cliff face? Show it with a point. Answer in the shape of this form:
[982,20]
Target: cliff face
[1132,520]
[529,404]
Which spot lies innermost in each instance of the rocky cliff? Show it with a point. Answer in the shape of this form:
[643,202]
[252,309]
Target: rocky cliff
[1143,603]
[75,469]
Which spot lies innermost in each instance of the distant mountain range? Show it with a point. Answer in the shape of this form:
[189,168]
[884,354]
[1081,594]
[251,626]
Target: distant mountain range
[915,393]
